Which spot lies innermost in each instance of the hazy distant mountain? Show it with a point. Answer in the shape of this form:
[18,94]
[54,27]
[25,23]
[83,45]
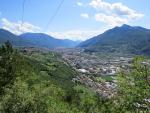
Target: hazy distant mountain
[6,35]
[35,40]
[125,39]
[44,40]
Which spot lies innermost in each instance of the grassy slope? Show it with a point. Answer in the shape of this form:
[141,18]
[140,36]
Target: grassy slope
[49,66]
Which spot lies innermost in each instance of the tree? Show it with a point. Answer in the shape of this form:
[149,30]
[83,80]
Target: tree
[134,87]
[7,74]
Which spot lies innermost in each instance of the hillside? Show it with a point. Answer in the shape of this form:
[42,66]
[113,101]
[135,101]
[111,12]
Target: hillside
[39,81]
[44,40]
[6,35]
[124,39]
[35,40]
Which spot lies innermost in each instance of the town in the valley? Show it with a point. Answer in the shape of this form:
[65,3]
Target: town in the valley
[96,72]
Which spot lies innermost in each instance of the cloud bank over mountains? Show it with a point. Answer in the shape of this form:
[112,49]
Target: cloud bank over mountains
[19,27]
[104,15]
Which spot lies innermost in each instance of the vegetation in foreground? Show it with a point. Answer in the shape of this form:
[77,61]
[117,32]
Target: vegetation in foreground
[41,83]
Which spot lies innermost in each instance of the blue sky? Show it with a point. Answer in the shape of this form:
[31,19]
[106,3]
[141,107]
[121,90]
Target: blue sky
[76,19]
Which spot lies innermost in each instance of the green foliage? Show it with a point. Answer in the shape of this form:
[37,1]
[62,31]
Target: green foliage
[41,83]
[134,87]
[52,67]
[19,99]
[7,74]
[108,78]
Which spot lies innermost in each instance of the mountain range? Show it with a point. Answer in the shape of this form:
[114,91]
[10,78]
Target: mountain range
[35,40]
[124,39]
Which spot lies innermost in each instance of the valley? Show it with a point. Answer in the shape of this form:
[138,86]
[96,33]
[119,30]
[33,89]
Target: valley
[93,70]
[74,56]
[94,63]
[96,71]
[53,77]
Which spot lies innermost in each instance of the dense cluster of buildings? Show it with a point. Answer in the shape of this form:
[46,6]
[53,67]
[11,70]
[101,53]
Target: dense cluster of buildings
[92,63]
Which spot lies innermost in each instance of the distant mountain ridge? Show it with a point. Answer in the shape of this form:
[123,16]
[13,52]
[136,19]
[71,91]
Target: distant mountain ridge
[125,39]
[35,40]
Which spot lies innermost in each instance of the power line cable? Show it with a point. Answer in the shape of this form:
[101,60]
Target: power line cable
[50,20]
[54,15]
[23,10]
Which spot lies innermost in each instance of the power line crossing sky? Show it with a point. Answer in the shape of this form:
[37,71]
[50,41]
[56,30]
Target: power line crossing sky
[72,19]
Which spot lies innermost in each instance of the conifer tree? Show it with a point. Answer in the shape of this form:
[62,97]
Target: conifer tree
[6,66]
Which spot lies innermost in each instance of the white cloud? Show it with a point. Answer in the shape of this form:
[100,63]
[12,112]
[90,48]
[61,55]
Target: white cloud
[114,13]
[18,27]
[99,4]
[79,4]
[77,34]
[117,8]
[121,9]
[110,20]
[84,15]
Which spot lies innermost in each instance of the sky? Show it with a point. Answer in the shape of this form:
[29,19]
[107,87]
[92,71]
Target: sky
[74,19]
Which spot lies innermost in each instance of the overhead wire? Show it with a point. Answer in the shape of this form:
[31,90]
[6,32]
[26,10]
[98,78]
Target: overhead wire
[50,20]
[55,14]
[22,17]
